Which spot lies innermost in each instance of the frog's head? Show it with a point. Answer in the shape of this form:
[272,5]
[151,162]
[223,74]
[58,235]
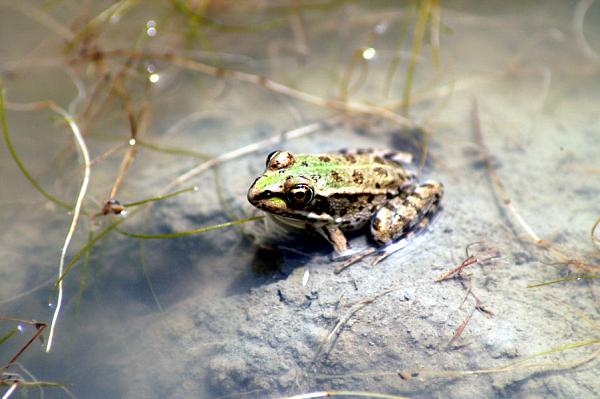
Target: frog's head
[280,190]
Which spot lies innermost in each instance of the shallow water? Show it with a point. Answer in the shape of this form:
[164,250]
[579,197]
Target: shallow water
[231,313]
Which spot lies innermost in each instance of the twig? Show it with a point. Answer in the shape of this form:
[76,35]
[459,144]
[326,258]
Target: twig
[76,213]
[78,205]
[131,151]
[333,394]
[505,200]
[344,319]
[461,327]
[28,176]
[108,153]
[424,11]
[31,377]
[498,185]
[562,280]
[40,327]
[352,107]
[298,32]
[28,292]
[408,374]
[190,232]
[115,10]
[471,260]
[10,390]
[291,134]
[353,259]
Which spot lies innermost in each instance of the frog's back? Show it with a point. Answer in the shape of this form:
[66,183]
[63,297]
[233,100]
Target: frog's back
[354,173]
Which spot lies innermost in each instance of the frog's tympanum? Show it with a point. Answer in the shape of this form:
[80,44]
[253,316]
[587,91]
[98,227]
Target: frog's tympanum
[338,192]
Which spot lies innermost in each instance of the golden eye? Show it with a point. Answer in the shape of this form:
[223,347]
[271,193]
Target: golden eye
[299,195]
[270,156]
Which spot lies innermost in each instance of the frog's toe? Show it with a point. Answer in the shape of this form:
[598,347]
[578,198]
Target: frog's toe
[348,253]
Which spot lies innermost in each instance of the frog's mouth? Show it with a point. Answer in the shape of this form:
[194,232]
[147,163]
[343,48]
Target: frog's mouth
[275,204]
[267,200]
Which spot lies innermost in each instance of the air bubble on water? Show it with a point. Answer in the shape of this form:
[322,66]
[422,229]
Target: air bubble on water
[21,327]
[381,27]
[369,53]
[151,28]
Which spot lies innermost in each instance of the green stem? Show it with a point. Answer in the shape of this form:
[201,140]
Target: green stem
[416,50]
[191,232]
[160,198]
[560,280]
[15,157]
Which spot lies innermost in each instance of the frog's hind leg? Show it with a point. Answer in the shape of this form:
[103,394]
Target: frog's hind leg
[406,213]
[402,216]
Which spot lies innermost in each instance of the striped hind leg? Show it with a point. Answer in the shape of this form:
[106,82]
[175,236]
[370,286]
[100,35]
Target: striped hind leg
[401,214]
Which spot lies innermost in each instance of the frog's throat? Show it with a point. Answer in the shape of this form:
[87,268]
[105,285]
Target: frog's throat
[310,219]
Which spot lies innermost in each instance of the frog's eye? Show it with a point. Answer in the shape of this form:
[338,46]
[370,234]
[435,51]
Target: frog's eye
[299,195]
[269,157]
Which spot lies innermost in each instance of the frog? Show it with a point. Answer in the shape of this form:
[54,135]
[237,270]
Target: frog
[339,192]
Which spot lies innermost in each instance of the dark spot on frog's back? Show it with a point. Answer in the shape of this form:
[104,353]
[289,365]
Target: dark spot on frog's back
[324,158]
[378,159]
[350,158]
[336,176]
[357,177]
[381,171]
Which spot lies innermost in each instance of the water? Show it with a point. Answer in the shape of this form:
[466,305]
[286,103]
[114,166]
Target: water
[227,314]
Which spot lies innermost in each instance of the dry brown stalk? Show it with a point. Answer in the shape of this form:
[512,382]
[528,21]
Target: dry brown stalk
[350,107]
[39,327]
[505,200]
[291,134]
[131,152]
[471,260]
[335,332]
[297,29]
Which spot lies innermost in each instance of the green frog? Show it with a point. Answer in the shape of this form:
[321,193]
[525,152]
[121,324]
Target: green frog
[334,193]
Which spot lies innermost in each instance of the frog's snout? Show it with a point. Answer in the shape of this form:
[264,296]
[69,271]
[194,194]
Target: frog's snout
[254,193]
[266,200]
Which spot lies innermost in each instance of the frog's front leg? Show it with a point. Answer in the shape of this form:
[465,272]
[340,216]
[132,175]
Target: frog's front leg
[402,213]
[336,237]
